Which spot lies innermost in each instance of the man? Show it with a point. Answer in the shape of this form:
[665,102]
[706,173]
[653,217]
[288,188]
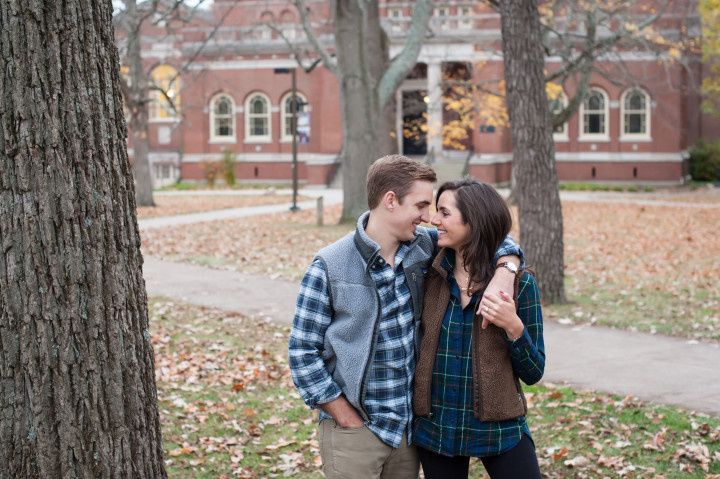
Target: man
[356,326]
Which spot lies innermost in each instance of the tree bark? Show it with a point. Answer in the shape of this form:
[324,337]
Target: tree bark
[368,80]
[362,57]
[138,106]
[77,386]
[537,195]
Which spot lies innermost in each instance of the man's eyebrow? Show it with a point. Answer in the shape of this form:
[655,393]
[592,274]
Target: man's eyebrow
[422,203]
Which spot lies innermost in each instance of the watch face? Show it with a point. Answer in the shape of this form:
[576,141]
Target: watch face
[512,267]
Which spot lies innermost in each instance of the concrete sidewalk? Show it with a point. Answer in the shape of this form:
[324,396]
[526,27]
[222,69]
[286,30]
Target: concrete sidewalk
[330,197]
[655,368]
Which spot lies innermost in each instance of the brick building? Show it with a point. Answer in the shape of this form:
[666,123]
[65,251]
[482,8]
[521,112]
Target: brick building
[636,127]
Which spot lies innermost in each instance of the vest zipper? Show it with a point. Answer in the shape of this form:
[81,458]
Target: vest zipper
[361,399]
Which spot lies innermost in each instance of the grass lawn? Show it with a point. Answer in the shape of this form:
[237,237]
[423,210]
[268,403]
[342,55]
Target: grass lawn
[653,269]
[229,410]
[180,205]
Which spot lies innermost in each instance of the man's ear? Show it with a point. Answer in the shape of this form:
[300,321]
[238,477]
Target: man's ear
[389,200]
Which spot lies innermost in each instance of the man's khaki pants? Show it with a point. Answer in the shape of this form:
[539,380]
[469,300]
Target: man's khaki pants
[359,454]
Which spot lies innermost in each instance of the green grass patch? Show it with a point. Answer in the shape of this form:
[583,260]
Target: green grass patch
[689,313]
[579,186]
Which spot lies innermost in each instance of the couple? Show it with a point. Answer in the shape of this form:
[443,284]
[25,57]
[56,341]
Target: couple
[411,340]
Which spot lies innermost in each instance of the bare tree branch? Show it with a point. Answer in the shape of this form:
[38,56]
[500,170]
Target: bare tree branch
[405,60]
[327,59]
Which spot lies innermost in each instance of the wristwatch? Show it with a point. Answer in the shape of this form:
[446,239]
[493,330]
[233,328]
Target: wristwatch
[510,266]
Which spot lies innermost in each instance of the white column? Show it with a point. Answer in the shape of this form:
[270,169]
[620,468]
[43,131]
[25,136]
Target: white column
[434,108]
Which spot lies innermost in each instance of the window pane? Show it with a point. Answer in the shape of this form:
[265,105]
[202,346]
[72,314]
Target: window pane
[257,105]
[288,125]
[222,107]
[595,102]
[594,123]
[635,101]
[258,127]
[635,123]
[223,127]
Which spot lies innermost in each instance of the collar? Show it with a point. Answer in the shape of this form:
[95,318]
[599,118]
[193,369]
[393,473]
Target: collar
[368,248]
[441,263]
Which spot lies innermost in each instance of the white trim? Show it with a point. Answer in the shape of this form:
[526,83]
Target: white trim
[244,64]
[621,157]
[595,137]
[169,119]
[587,157]
[635,139]
[490,158]
[639,137]
[307,158]
[215,139]
[258,138]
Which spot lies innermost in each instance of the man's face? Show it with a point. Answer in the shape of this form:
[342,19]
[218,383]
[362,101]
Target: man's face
[412,210]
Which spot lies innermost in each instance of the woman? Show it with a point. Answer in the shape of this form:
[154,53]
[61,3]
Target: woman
[467,398]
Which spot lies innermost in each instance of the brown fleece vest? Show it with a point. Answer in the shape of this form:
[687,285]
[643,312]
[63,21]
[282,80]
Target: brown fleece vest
[497,392]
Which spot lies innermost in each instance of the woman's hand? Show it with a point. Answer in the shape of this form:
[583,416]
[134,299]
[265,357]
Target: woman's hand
[499,309]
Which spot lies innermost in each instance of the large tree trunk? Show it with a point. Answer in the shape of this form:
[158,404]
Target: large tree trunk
[138,105]
[536,189]
[78,396]
[362,55]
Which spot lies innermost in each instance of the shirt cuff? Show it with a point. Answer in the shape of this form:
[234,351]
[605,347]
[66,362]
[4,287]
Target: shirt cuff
[523,343]
[332,393]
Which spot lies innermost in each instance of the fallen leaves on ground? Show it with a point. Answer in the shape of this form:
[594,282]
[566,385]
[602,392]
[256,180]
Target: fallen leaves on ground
[214,429]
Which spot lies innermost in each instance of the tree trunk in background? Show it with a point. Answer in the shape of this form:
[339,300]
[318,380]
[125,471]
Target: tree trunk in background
[536,189]
[138,106]
[362,56]
[77,396]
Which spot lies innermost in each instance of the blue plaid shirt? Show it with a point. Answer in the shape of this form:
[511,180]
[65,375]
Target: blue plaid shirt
[453,429]
[388,392]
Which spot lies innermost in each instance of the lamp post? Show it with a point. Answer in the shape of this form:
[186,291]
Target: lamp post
[293,130]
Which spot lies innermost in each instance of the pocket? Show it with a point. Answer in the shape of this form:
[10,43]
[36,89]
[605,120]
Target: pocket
[346,430]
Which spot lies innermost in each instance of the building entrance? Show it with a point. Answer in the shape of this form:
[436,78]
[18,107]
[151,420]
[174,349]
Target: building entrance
[414,126]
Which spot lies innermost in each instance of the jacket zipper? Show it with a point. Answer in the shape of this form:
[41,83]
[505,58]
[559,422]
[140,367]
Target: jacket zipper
[361,399]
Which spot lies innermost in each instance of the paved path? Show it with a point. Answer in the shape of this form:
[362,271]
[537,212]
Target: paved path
[334,196]
[330,197]
[654,368]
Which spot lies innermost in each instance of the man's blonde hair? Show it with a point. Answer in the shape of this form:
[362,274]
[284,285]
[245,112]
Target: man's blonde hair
[395,173]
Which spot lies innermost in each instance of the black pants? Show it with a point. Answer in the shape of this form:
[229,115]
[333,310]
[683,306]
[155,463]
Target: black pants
[520,462]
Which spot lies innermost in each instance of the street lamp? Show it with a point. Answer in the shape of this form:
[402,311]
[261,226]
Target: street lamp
[293,129]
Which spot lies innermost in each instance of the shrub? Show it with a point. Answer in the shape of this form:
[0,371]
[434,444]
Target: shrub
[211,169]
[229,167]
[705,161]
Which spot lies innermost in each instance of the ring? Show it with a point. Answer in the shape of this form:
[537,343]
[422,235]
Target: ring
[487,310]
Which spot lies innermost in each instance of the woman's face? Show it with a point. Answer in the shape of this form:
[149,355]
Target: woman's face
[448,220]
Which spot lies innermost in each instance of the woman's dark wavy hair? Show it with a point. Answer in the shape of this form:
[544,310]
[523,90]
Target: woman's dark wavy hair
[486,213]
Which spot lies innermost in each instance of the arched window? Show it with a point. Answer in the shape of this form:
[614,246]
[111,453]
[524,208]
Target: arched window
[557,105]
[257,118]
[285,119]
[635,114]
[222,118]
[594,115]
[164,94]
